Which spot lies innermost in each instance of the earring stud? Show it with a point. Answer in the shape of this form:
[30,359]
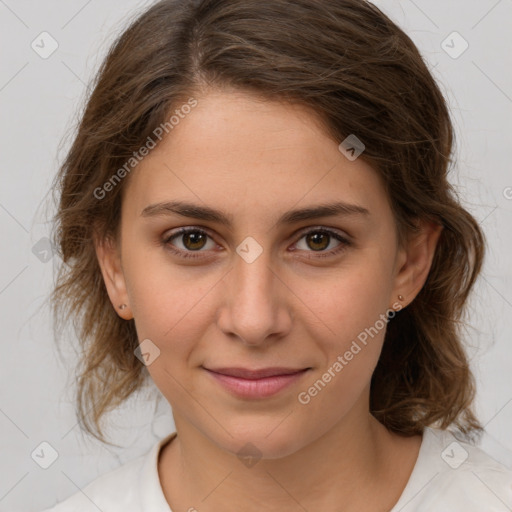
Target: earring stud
[122,306]
[400,297]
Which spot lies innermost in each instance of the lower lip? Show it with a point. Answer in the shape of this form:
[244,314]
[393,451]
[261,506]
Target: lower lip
[256,388]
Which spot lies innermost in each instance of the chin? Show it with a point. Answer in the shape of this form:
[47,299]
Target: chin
[263,441]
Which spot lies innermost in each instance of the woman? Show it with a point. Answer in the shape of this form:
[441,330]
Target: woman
[255,214]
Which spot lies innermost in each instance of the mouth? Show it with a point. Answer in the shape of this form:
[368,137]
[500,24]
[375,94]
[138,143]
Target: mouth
[256,384]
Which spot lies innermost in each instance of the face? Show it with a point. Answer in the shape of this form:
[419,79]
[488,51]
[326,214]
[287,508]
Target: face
[251,284]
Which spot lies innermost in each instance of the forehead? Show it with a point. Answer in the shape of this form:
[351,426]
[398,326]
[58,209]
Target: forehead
[243,154]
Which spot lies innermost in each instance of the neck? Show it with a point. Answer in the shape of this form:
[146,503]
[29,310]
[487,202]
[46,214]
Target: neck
[340,466]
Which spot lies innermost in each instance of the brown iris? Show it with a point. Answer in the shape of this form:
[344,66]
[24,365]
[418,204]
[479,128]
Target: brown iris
[194,240]
[318,239]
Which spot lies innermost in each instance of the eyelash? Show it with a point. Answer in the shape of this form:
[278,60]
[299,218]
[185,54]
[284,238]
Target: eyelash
[344,242]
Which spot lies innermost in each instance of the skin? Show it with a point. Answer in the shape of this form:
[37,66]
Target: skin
[256,160]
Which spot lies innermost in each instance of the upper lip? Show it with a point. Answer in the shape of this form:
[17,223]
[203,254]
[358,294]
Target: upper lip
[245,373]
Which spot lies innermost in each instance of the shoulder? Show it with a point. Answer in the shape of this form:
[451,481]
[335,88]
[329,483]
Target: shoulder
[117,490]
[454,475]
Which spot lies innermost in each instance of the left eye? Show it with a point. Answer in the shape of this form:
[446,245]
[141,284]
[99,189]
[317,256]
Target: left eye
[320,239]
[192,240]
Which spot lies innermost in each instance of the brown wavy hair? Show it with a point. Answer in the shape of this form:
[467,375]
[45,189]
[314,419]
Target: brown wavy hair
[360,74]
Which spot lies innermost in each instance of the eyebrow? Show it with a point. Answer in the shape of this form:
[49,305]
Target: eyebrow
[206,213]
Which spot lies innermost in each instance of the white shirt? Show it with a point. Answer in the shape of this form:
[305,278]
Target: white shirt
[449,476]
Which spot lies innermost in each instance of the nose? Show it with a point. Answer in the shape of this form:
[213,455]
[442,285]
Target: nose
[256,305]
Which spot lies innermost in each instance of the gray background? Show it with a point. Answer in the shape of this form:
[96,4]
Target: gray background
[40,98]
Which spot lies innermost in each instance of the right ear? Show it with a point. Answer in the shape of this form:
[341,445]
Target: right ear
[109,259]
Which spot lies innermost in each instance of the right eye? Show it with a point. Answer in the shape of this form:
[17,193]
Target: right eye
[191,239]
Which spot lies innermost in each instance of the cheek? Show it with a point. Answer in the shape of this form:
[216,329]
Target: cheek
[355,312]
[174,316]
[162,294]
[347,302]
[173,308]
[174,322]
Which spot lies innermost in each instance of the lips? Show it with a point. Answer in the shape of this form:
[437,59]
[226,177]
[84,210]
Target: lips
[247,384]
[244,373]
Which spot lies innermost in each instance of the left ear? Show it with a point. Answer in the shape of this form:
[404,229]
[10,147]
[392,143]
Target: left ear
[414,261]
